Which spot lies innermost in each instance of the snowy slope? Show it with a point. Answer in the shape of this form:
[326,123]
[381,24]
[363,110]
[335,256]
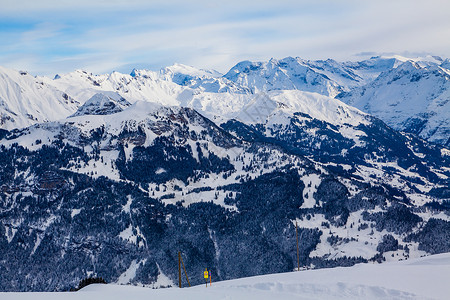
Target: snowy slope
[285,74]
[102,104]
[267,107]
[370,69]
[422,278]
[178,72]
[411,98]
[174,86]
[326,77]
[280,113]
[446,64]
[150,87]
[27,100]
[165,87]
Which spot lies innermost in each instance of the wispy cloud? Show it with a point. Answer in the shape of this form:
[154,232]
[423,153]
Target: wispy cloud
[101,36]
[41,31]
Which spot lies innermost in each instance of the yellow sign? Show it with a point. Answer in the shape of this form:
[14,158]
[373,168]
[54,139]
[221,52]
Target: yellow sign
[205,274]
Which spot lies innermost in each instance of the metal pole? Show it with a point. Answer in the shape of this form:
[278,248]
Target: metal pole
[179,269]
[185,273]
[298,256]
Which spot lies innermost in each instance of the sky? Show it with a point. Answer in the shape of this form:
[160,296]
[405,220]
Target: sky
[47,37]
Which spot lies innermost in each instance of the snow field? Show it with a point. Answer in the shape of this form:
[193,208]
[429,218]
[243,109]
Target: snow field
[421,278]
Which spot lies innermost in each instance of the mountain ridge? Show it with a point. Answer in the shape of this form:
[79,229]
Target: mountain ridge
[217,95]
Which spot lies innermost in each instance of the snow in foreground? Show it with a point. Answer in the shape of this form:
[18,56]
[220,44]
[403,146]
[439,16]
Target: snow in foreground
[423,278]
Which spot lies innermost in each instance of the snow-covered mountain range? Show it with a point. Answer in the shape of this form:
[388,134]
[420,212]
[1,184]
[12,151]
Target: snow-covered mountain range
[116,173]
[408,94]
[411,98]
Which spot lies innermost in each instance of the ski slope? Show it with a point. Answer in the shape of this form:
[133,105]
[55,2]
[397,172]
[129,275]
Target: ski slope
[422,278]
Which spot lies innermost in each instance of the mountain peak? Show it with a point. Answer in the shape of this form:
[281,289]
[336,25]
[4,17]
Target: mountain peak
[286,74]
[408,65]
[102,104]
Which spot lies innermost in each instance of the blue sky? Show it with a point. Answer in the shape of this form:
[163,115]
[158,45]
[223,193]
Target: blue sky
[47,37]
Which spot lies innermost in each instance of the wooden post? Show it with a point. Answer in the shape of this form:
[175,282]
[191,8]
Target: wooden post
[298,256]
[179,269]
[185,273]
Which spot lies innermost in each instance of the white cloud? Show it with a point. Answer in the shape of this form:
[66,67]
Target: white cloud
[41,31]
[106,35]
